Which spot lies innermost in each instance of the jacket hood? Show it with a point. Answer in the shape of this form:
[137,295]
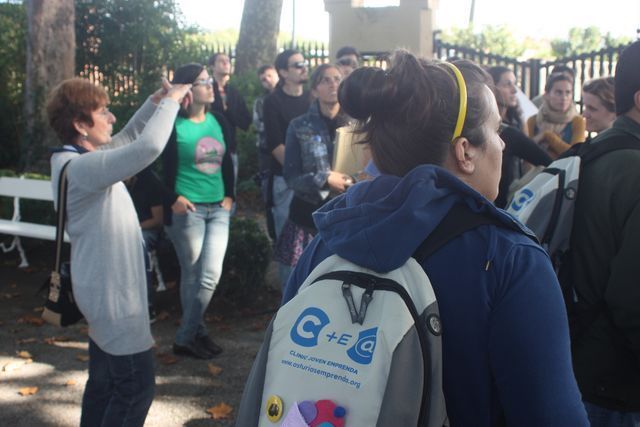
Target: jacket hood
[379,224]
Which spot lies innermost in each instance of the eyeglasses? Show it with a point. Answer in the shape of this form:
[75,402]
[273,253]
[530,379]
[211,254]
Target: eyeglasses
[203,82]
[347,62]
[299,65]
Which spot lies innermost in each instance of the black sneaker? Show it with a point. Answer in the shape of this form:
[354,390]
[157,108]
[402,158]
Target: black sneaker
[209,345]
[194,349]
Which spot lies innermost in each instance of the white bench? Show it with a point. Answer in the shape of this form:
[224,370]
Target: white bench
[24,188]
[37,189]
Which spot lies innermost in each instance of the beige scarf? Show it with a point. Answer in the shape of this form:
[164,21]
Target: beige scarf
[555,121]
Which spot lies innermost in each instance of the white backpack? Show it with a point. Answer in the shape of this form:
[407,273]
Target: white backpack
[355,347]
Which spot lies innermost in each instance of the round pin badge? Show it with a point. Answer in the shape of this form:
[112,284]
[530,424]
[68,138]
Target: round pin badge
[434,325]
[274,408]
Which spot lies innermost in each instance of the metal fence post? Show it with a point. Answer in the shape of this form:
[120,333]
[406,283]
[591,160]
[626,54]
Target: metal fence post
[534,78]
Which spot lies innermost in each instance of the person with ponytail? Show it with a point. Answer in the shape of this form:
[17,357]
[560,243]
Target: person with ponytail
[432,128]
[198,196]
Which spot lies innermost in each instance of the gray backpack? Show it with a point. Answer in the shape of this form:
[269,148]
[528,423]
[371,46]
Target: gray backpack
[546,205]
[355,347]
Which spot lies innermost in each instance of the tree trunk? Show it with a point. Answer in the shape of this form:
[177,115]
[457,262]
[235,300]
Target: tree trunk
[51,46]
[257,43]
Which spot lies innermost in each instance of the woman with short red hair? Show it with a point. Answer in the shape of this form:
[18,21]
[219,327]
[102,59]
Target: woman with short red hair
[108,269]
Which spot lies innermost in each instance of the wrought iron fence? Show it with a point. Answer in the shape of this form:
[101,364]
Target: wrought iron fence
[532,74]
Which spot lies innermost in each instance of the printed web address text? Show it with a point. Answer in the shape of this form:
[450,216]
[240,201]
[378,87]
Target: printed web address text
[322,373]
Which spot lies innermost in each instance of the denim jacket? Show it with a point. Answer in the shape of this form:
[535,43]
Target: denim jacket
[308,155]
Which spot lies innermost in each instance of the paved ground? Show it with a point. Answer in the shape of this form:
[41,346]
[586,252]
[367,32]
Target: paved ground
[54,359]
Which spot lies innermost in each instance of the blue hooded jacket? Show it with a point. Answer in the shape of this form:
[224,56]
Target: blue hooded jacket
[506,354]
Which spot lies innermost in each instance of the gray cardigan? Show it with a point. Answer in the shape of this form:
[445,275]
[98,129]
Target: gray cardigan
[107,261]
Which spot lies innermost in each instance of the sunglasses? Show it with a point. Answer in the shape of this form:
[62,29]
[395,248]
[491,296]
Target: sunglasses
[203,82]
[299,65]
[347,62]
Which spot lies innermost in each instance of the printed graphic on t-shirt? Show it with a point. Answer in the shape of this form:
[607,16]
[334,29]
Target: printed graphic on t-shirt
[209,152]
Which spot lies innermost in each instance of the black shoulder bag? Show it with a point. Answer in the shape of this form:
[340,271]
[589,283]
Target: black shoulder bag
[60,308]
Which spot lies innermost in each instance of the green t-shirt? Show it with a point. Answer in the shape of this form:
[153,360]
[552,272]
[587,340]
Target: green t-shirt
[201,148]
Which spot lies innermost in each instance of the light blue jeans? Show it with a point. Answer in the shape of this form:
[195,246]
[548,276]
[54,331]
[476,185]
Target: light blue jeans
[602,417]
[282,196]
[200,239]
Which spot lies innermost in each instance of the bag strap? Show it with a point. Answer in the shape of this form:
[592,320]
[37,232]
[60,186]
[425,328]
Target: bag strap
[62,215]
[458,220]
[594,150]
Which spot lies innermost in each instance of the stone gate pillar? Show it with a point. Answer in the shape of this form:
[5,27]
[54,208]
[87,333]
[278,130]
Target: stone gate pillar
[369,29]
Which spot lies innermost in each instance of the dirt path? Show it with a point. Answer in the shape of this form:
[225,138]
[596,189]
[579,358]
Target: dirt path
[54,359]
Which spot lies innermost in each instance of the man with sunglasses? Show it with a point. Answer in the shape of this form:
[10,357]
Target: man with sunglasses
[347,60]
[229,102]
[288,101]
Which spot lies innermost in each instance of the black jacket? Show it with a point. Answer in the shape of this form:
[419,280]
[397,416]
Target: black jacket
[237,113]
[170,168]
[605,272]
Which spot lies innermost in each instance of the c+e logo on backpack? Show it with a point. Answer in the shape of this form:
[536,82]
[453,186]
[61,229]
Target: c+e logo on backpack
[307,328]
[522,199]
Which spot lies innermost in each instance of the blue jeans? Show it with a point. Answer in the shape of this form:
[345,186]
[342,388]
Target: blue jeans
[282,196]
[200,240]
[119,390]
[602,417]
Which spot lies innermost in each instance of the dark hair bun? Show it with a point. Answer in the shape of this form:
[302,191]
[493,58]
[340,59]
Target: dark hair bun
[187,74]
[366,91]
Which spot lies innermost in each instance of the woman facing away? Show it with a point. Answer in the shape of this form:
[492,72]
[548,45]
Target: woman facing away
[198,195]
[108,268]
[307,164]
[557,126]
[518,147]
[598,97]
[506,355]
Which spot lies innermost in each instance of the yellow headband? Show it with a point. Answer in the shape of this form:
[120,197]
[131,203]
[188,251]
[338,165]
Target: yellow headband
[462,112]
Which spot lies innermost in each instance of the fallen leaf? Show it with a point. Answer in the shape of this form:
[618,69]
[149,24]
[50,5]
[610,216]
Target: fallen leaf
[26,341]
[70,383]
[224,327]
[31,320]
[214,370]
[13,285]
[38,309]
[1,323]
[220,411]
[167,358]
[82,357]
[10,295]
[24,355]
[170,285]
[28,391]
[54,340]
[163,315]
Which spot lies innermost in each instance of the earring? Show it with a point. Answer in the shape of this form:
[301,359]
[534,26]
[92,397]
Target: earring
[84,136]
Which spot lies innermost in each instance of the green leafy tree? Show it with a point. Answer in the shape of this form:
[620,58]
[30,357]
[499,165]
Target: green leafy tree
[13,25]
[495,39]
[583,40]
[126,45]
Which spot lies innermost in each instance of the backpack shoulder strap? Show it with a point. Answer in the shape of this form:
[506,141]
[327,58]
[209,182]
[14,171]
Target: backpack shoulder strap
[458,220]
[592,151]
